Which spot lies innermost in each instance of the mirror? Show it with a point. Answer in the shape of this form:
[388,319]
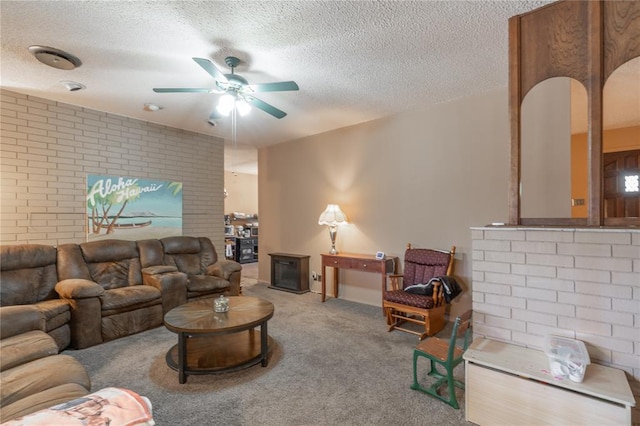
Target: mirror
[621,141]
[551,163]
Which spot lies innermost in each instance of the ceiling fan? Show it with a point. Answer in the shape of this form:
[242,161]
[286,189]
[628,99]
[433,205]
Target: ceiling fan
[236,86]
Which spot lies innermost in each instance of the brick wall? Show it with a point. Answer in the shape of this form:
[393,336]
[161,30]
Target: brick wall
[578,283]
[47,148]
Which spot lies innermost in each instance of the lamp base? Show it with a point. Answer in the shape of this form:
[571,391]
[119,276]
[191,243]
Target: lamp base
[333,230]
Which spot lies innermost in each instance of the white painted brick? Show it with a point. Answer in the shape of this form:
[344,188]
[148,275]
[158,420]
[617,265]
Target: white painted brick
[477,296]
[611,343]
[487,308]
[535,270]
[584,249]
[504,234]
[604,263]
[543,330]
[499,289]
[528,340]
[624,305]
[550,283]
[550,320]
[550,236]
[535,294]
[549,260]
[477,234]
[512,302]
[635,238]
[477,276]
[501,256]
[551,308]
[510,279]
[608,290]
[495,333]
[626,361]
[500,322]
[626,278]
[597,302]
[611,237]
[585,326]
[627,333]
[632,252]
[494,245]
[584,275]
[491,266]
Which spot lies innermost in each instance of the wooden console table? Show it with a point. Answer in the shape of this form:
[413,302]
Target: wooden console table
[360,262]
[509,384]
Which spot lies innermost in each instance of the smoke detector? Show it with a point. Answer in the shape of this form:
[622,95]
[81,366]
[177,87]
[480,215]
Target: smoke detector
[73,86]
[55,58]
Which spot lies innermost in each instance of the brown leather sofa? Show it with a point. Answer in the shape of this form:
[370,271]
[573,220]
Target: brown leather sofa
[29,277]
[93,292]
[207,276]
[33,375]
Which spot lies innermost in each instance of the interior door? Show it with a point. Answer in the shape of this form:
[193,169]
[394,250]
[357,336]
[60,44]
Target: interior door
[621,184]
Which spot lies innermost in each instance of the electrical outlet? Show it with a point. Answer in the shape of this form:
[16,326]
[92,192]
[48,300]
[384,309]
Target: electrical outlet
[314,275]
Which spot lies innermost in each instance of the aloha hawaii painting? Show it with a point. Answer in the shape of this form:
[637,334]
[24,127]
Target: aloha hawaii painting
[127,208]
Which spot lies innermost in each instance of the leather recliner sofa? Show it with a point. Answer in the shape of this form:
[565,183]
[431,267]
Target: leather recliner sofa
[93,292]
[29,277]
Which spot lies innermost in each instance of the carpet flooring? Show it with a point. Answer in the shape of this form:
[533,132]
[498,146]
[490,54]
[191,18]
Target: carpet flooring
[330,363]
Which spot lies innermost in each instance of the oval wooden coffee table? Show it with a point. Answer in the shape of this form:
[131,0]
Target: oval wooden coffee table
[212,342]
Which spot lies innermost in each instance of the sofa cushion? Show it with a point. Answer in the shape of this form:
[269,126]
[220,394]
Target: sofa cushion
[129,296]
[28,274]
[19,319]
[55,313]
[24,348]
[202,283]
[41,400]
[39,375]
[113,263]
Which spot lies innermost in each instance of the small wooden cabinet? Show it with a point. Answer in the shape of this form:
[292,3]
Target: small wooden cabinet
[509,384]
[242,250]
[290,272]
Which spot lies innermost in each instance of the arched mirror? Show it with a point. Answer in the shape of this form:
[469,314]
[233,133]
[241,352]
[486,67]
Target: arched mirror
[554,165]
[621,142]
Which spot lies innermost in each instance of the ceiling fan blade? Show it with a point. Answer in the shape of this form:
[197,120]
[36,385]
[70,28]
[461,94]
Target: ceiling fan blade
[269,109]
[282,86]
[182,90]
[208,66]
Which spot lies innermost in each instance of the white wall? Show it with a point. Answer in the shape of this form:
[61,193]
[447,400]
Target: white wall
[242,190]
[423,177]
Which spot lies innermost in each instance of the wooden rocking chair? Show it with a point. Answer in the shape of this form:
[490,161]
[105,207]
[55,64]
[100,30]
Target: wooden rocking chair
[400,306]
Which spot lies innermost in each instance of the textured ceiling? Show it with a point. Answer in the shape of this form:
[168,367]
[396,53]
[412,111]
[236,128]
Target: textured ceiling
[354,61]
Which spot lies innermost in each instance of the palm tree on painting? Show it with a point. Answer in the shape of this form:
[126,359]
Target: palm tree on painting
[102,205]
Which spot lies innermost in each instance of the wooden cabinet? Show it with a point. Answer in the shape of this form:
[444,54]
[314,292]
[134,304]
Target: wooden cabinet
[242,250]
[509,384]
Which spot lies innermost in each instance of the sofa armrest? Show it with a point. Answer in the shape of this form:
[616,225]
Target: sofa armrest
[19,319]
[86,310]
[224,268]
[77,288]
[171,283]
[158,269]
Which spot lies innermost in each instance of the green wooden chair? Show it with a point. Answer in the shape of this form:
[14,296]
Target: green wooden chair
[447,354]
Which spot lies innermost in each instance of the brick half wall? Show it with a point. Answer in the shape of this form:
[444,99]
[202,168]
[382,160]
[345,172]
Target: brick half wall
[578,283]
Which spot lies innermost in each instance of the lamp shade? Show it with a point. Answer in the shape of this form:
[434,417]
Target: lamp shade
[332,216]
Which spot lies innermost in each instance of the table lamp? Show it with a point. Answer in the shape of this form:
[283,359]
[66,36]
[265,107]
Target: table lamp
[332,216]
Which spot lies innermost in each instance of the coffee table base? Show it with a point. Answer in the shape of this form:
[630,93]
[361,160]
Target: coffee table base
[218,354]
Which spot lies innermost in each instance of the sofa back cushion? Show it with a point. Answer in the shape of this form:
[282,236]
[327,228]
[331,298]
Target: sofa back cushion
[191,255]
[113,263]
[28,274]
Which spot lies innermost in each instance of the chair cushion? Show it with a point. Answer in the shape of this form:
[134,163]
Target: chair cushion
[420,265]
[404,298]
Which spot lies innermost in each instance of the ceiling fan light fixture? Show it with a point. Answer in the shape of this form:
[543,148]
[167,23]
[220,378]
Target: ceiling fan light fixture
[225,104]
[243,107]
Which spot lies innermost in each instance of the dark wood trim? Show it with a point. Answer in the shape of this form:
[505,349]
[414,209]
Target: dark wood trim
[584,40]
[515,108]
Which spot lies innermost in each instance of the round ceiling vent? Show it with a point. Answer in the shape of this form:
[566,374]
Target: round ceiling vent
[55,58]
